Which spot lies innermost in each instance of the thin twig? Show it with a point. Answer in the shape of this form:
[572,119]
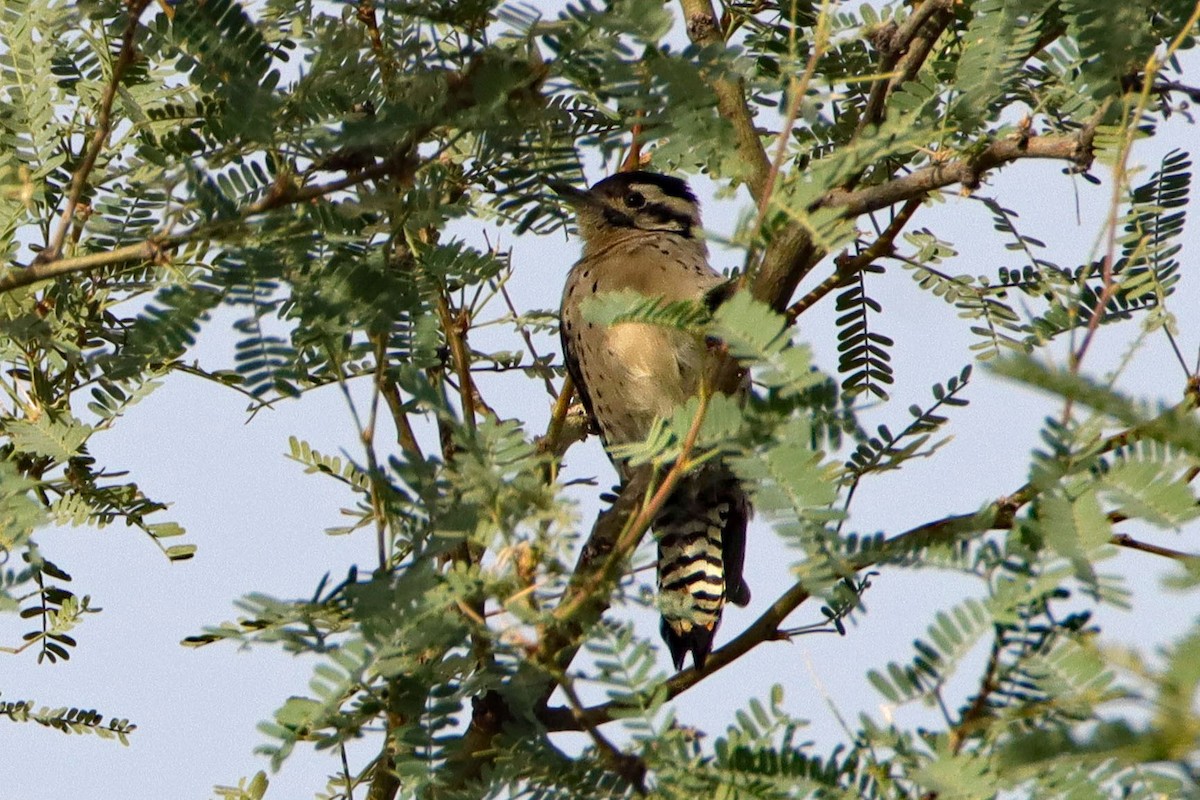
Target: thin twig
[455,338]
[502,285]
[636,527]
[558,415]
[1175,347]
[798,90]
[346,771]
[366,436]
[1128,136]
[633,159]
[1125,540]
[629,767]
[555,443]
[850,266]
[979,704]
[191,369]
[382,541]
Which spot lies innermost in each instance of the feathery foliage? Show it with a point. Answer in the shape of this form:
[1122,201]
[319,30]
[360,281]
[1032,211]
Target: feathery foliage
[337,180]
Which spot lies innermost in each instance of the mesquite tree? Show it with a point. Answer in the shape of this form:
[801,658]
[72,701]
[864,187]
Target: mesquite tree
[311,166]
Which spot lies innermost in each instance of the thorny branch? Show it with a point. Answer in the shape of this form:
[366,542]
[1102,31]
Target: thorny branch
[902,51]
[767,626]
[969,171]
[502,286]
[912,188]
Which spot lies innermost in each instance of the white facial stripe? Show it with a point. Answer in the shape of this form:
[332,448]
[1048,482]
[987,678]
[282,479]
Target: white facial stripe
[678,205]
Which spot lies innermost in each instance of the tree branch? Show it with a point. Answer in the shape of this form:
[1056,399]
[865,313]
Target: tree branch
[603,557]
[147,250]
[616,532]
[766,627]
[903,49]
[402,165]
[282,193]
[365,12]
[79,179]
[405,436]
[456,338]
[917,37]
[797,89]
[704,30]
[1128,136]
[631,768]
[1075,148]
[979,705]
[791,252]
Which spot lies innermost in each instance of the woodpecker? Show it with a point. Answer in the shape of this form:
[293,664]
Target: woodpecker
[641,231]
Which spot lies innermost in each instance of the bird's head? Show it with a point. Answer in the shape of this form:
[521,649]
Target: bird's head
[632,201]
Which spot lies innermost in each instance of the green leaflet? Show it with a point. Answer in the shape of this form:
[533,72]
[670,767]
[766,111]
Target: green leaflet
[56,439]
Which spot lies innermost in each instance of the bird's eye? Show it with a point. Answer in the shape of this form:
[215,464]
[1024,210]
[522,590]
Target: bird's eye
[635,200]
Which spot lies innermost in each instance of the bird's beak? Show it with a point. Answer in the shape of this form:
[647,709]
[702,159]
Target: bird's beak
[573,195]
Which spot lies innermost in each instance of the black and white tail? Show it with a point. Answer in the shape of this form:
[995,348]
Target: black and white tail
[701,534]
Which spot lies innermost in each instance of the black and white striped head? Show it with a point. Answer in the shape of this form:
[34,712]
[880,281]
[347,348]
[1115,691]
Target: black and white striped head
[633,201]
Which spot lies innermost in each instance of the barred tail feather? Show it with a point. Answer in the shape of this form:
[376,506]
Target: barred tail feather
[697,640]
[701,542]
